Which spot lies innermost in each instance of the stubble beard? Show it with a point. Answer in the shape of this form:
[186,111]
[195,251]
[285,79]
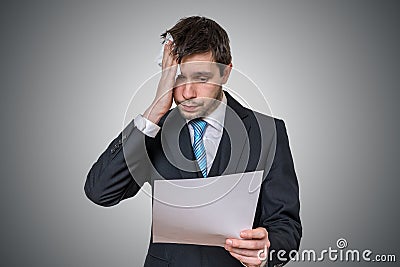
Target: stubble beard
[208,106]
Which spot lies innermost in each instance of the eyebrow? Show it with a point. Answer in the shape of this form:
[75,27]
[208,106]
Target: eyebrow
[197,74]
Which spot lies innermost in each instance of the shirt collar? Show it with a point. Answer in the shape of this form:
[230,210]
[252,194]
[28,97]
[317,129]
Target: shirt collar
[217,117]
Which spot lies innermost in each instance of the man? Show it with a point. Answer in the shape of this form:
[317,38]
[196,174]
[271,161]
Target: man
[210,128]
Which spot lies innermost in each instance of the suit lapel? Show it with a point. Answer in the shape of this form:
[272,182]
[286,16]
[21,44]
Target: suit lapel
[177,145]
[233,150]
[222,156]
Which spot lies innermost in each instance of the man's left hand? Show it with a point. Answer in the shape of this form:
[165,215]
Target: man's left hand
[247,249]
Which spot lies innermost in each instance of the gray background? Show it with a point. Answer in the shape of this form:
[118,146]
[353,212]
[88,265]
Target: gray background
[330,69]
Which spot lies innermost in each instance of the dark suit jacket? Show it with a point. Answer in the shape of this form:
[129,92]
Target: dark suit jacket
[250,141]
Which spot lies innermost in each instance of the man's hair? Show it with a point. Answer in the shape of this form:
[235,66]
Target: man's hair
[197,34]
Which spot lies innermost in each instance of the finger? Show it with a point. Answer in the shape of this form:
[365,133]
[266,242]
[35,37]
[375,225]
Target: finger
[243,252]
[168,75]
[247,244]
[258,233]
[171,58]
[170,66]
[165,53]
[166,60]
[246,260]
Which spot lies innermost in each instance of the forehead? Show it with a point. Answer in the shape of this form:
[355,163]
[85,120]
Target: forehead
[207,56]
[196,63]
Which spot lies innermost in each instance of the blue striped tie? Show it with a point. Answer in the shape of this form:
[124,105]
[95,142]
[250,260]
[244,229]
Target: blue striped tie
[199,150]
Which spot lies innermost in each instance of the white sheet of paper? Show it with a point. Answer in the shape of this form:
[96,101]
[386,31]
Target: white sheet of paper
[205,211]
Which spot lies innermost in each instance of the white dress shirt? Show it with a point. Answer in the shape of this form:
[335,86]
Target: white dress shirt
[212,135]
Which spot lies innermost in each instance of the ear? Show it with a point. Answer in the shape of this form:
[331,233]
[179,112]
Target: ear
[227,72]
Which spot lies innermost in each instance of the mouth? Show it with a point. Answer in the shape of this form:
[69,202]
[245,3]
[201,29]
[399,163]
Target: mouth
[189,108]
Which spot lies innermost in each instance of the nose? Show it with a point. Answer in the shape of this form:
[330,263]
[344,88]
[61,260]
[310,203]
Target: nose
[189,91]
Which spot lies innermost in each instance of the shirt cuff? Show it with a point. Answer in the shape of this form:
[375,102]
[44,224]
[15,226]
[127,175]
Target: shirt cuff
[146,126]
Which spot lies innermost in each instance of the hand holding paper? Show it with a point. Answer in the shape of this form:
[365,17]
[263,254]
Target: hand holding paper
[253,249]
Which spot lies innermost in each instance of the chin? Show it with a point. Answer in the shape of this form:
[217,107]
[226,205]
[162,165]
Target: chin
[191,115]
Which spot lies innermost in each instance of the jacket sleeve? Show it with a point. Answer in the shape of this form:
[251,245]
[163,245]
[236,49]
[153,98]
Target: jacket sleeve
[120,170]
[279,199]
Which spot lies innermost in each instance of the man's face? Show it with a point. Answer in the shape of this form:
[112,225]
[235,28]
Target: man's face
[198,89]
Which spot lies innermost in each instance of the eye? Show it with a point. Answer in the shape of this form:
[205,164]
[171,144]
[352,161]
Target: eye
[202,79]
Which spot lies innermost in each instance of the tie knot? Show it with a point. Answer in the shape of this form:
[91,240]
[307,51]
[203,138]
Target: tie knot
[199,126]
